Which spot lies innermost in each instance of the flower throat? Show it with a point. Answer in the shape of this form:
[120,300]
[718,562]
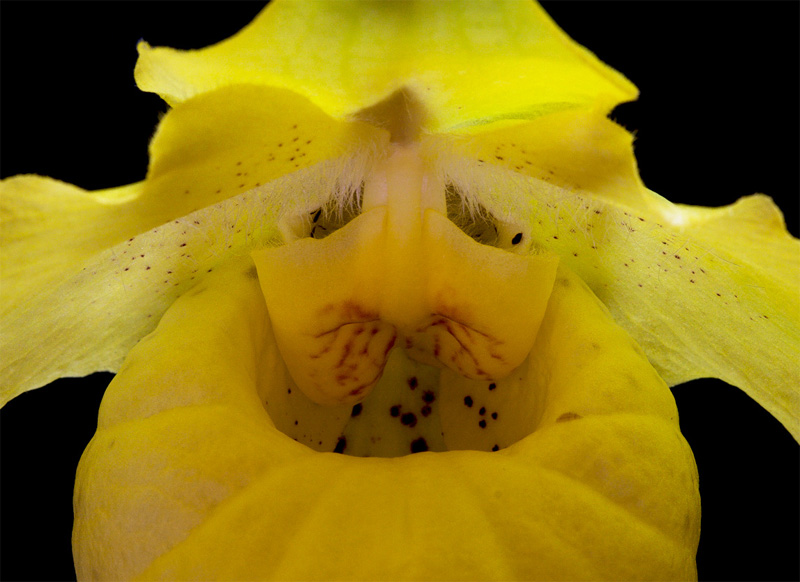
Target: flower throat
[402,303]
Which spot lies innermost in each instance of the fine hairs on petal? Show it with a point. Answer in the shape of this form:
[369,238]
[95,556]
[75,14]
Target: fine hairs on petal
[484,192]
[337,181]
[333,188]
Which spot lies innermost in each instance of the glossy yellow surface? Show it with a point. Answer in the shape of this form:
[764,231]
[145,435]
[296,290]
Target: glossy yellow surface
[188,478]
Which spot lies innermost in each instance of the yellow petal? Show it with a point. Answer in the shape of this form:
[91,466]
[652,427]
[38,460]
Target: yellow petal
[466,62]
[99,268]
[62,281]
[187,476]
[706,292]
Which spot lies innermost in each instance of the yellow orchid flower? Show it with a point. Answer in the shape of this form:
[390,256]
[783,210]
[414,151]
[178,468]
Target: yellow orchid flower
[437,141]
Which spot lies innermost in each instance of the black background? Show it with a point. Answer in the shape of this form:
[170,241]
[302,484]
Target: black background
[717,119]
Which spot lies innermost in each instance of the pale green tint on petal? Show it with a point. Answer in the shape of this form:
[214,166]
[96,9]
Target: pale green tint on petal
[46,227]
[188,477]
[467,63]
[724,302]
[99,268]
[94,310]
[707,292]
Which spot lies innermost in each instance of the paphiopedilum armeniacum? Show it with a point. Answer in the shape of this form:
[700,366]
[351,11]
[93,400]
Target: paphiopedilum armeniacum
[555,179]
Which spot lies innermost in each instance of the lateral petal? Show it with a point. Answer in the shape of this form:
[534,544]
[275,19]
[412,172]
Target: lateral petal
[707,292]
[99,268]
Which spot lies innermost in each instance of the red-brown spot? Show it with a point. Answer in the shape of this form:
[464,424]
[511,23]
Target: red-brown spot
[419,446]
[345,353]
[389,346]
[568,416]
[352,310]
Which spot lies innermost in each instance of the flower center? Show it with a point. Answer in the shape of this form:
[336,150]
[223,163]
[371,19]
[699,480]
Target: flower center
[402,299]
